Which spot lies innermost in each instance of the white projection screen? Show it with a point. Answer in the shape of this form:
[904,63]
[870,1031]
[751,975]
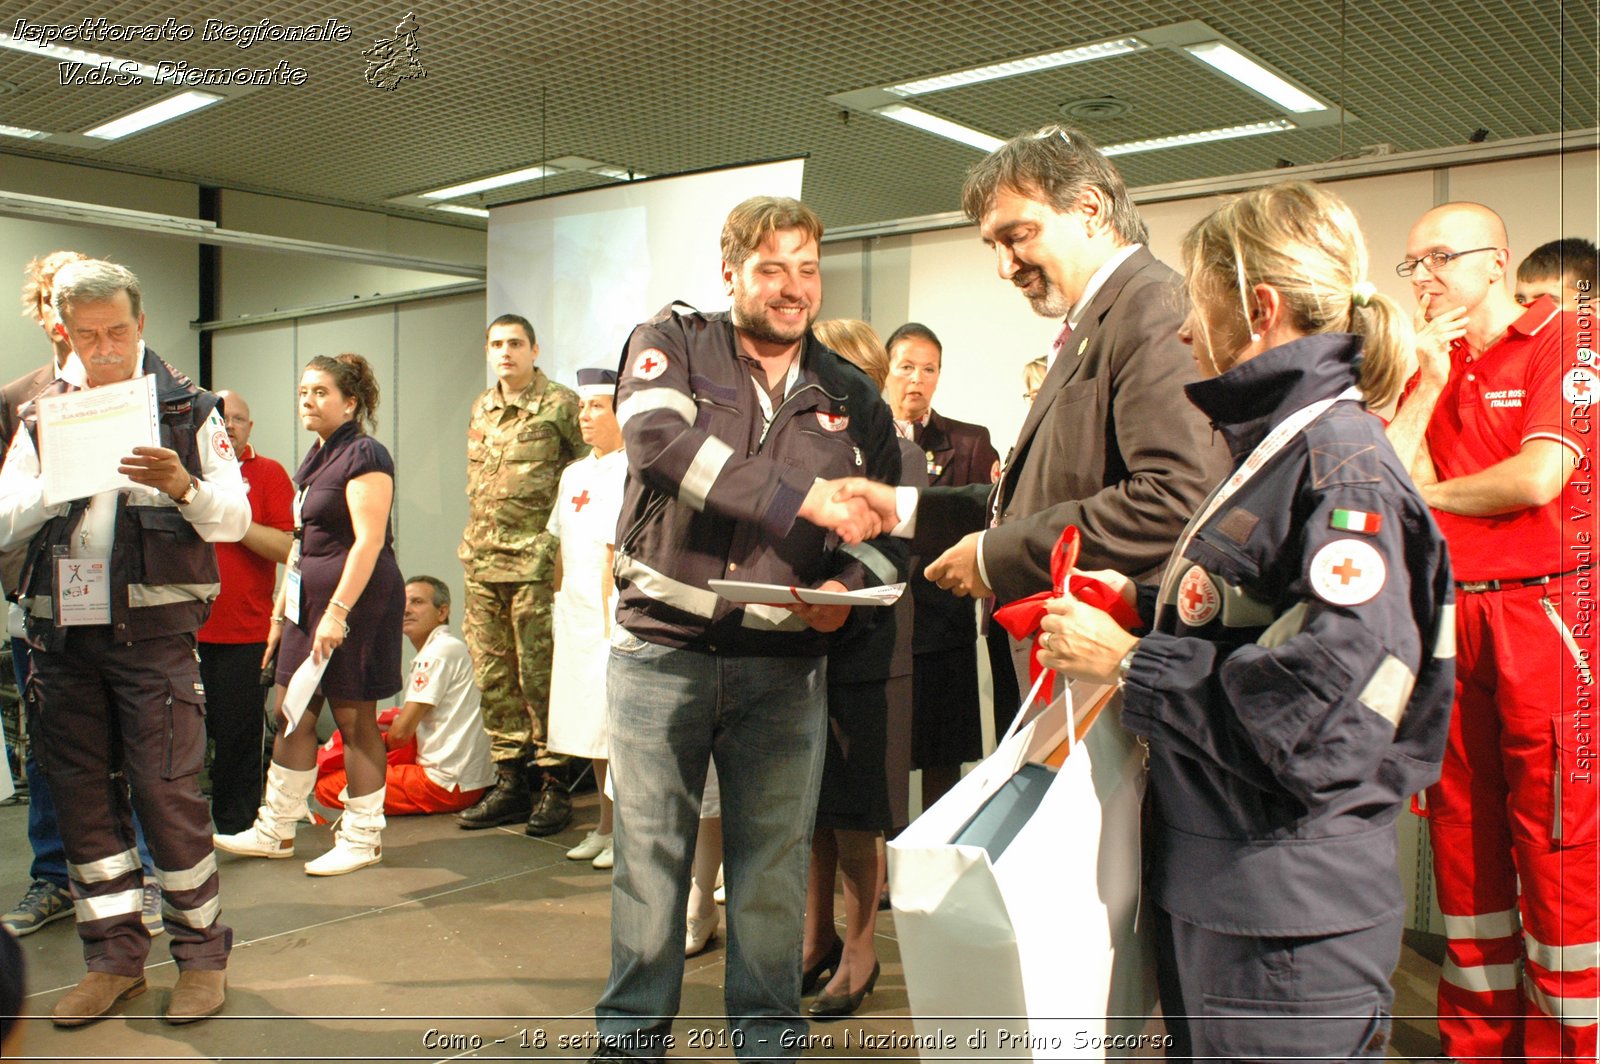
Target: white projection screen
[586,267]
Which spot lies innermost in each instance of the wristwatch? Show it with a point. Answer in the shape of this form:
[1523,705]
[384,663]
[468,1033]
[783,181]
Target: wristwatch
[188,497]
[1125,664]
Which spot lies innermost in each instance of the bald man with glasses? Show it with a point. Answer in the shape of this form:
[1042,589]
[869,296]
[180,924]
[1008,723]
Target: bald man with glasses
[1497,434]
[234,637]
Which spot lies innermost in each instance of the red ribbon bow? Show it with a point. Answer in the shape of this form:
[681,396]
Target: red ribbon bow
[1021,618]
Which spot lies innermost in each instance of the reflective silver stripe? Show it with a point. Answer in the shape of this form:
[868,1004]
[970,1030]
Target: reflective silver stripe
[1484,925]
[699,601]
[1445,646]
[1284,628]
[1566,637]
[647,399]
[877,563]
[1482,979]
[168,594]
[101,906]
[1578,957]
[105,869]
[703,472]
[202,917]
[772,619]
[1570,1011]
[1387,693]
[189,878]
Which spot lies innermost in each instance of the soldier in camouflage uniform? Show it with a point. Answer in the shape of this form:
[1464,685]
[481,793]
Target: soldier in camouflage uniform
[522,434]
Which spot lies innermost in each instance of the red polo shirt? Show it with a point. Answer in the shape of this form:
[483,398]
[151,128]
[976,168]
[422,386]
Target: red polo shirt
[243,611]
[1527,385]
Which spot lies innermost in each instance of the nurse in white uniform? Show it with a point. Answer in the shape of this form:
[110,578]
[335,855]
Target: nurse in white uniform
[584,519]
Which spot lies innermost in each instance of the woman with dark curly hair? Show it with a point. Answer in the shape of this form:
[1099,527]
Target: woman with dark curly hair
[341,602]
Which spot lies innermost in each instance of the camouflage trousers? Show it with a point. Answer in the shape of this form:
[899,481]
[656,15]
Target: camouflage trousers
[507,628]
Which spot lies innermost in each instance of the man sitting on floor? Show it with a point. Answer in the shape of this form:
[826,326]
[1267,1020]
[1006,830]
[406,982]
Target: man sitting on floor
[451,767]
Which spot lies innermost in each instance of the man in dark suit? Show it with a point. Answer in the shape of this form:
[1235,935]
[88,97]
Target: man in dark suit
[945,727]
[1111,444]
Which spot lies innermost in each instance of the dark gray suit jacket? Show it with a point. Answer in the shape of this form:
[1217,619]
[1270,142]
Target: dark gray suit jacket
[1111,445]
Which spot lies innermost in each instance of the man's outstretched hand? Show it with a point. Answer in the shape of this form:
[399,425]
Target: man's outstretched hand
[851,519]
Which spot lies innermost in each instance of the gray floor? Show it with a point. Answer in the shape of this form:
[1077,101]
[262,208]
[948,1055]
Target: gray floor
[455,936]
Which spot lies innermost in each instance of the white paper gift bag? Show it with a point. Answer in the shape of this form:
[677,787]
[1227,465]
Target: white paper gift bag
[1032,953]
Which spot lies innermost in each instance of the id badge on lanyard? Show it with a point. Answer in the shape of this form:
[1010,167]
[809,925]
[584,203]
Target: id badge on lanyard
[83,591]
[291,576]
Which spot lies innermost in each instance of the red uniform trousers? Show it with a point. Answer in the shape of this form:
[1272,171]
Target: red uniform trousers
[409,790]
[112,717]
[1516,803]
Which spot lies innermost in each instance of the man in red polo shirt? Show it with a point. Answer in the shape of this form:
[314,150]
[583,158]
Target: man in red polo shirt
[235,637]
[1500,426]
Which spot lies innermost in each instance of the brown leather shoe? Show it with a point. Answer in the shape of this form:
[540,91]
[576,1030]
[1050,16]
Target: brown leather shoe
[95,996]
[198,994]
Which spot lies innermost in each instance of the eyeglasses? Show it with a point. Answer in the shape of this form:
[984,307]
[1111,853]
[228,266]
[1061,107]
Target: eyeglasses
[1434,261]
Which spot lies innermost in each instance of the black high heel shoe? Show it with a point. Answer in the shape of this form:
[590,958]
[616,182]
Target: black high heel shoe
[836,1005]
[829,964]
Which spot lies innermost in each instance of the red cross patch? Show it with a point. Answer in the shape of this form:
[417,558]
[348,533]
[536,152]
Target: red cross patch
[222,445]
[419,674]
[1347,572]
[649,365]
[580,501]
[833,422]
[1198,600]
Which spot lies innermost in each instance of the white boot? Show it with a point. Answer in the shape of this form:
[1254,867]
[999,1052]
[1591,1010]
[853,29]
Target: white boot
[272,835]
[357,840]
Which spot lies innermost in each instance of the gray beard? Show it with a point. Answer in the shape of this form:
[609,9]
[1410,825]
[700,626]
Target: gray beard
[1051,303]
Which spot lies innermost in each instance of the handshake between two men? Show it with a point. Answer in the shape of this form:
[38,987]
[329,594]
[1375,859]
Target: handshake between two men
[857,509]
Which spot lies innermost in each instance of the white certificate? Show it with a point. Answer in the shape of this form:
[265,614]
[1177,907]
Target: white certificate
[302,685]
[784,595]
[85,435]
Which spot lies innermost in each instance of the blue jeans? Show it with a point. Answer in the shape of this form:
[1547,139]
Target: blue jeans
[762,720]
[44,837]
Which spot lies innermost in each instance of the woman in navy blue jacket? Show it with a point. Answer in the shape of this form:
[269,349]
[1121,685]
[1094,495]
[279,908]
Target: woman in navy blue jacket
[1294,682]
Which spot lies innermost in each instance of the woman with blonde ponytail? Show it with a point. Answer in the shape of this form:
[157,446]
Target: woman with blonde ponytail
[1295,676]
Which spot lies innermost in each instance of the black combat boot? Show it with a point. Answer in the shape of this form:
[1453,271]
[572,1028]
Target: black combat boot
[506,802]
[552,810]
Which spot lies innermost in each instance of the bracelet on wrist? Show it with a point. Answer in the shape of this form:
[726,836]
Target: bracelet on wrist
[279,618]
[340,621]
[342,606]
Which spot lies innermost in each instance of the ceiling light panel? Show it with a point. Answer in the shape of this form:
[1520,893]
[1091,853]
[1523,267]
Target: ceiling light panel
[514,177]
[154,115]
[1232,63]
[1010,68]
[1205,136]
[941,127]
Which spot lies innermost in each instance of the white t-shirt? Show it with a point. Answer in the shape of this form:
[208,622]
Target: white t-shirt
[452,747]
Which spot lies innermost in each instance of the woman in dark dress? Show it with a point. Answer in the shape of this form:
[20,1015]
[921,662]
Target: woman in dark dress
[867,764]
[341,602]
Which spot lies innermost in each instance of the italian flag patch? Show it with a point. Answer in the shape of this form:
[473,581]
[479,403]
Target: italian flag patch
[1357,521]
